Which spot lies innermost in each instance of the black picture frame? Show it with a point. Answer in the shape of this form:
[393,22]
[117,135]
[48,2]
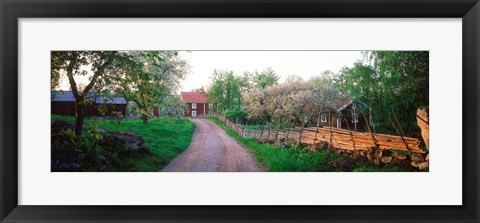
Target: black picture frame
[11,11]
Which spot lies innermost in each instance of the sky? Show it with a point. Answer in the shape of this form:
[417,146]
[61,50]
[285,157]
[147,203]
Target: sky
[285,63]
[305,64]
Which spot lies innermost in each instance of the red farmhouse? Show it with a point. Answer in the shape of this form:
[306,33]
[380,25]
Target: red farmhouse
[197,104]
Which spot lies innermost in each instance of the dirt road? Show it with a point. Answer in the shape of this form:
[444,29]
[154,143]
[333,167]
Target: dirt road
[212,150]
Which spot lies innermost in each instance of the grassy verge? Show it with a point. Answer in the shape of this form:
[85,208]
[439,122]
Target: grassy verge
[253,127]
[296,159]
[165,137]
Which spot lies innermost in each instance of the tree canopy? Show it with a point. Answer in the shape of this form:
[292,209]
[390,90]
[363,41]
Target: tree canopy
[391,82]
[145,77]
[149,77]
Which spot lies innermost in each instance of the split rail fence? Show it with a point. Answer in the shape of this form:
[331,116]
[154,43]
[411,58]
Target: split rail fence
[338,138]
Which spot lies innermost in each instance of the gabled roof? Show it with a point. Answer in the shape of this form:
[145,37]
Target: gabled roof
[342,104]
[193,97]
[110,100]
[67,96]
[345,103]
[62,96]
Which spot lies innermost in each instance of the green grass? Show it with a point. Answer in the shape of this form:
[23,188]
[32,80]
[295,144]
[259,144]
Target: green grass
[253,127]
[165,137]
[296,159]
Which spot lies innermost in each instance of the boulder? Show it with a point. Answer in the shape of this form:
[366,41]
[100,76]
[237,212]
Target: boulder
[342,164]
[66,159]
[420,165]
[378,153]
[60,125]
[319,146]
[359,153]
[337,151]
[281,143]
[399,156]
[105,163]
[406,164]
[124,141]
[361,156]
[387,159]
[417,157]
[58,129]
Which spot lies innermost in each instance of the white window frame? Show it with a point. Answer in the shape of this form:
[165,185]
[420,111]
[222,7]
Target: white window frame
[210,105]
[354,117]
[194,105]
[323,118]
[194,113]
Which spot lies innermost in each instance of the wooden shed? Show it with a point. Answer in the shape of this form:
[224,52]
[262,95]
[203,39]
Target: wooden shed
[63,103]
[353,114]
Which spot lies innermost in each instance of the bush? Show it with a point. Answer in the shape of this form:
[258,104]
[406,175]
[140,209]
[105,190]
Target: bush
[235,114]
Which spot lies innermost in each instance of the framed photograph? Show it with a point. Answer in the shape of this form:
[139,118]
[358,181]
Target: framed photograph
[239,111]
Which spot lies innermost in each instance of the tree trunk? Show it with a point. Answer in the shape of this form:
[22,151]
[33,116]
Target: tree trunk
[301,131]
[291,125]
[331,135]
[269,129]
[145,119]
[79,107]
[316,130]
[261,131]
[277,126]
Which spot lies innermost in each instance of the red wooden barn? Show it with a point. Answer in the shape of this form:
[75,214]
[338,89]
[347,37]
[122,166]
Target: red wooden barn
[63,103]
[197,104]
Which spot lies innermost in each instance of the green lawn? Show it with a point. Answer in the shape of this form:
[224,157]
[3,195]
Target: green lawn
[253,127]
[296,159]
[165,137]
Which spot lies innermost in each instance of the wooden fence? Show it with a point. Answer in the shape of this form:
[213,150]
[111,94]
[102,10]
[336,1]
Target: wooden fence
[338,138]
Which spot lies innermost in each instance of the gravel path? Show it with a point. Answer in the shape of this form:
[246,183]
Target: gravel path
[212,150]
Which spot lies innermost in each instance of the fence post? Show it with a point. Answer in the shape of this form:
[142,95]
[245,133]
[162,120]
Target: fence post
[351,135]
[330,125]
[300,136]
[316,130]
[405,142]
[371,134]
[269,129]
[288,131]
[261,131]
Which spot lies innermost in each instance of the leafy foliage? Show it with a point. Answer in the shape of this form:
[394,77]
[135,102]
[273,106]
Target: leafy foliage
[235,114]
[264,78]
[228,89]
[392,82]
[149,77]
[165,137]
[295,101]
[145,77]
[97,64]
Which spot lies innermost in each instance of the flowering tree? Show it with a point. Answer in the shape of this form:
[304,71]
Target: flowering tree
[149,77]
[295,101]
